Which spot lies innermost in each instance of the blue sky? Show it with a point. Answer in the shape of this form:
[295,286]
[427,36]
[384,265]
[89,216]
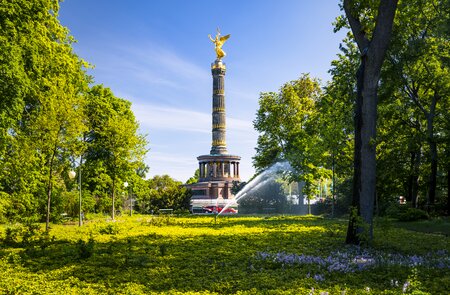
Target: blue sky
[157,55]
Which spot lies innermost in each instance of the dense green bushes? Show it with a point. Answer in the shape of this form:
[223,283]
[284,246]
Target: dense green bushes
[412,214]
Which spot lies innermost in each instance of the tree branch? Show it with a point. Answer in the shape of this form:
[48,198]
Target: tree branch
[357,30]
[383,29]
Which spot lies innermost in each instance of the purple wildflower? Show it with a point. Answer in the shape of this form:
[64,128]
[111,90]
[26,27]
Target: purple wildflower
[319,277]
[405,287]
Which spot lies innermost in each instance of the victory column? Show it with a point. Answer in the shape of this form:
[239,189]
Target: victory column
[218,170]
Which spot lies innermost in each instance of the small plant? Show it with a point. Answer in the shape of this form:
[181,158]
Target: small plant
[31,234]
[85,249]
[12,235]
[45,240]
[160,221]
[162,249]
[109,229]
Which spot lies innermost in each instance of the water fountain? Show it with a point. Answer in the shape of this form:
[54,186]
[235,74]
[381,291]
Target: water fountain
[259,181]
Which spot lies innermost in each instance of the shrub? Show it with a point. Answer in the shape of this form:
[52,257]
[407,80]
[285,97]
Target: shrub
[413,214]
[5,206]
[85,249]
[31,234]
[12,235]
[394,209]
[109,229]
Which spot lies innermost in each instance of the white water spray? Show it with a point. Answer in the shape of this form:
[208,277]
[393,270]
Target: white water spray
[259,181]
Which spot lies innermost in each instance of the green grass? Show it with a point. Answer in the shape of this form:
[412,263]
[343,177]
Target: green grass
[437,226]
[195,255]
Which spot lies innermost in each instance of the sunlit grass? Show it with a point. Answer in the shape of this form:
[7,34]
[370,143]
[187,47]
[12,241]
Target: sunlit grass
[200,255]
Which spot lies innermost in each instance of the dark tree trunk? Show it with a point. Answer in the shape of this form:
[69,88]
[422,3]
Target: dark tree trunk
[368,148]
[434,160]
[50,182]
[413,179]
[410,178]
[433,175]
[429,115]
[433,150]
[448,191]
[352,231]
[373,52]
[49,195]
[113,210]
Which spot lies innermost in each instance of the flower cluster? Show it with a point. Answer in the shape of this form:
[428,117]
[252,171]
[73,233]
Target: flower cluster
[354,259]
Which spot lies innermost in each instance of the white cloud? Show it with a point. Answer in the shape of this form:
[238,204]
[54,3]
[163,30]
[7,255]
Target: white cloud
[152,62]
[158,117]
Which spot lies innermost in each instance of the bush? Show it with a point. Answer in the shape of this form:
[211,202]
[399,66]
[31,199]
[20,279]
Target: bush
[413,214]
[85,249]
[5,206]
[109,229]
[12,234]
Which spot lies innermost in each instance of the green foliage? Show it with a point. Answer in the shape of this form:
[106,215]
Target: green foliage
[287,123]
[28,235]
[5,206]
[115,151]
[48,116]
[405,213]
[163,192]
[12,234]
[413,214]
[85,249]
[109,229]
[361,227]
[195,178]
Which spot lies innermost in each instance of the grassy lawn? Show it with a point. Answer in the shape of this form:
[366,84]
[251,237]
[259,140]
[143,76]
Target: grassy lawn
[437,226]
[236,255]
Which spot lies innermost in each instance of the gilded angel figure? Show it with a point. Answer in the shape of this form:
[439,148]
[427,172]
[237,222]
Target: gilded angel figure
[218,42]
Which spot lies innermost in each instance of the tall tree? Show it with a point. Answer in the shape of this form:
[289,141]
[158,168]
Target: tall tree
[372,39]
[115,148]
[286,122]
[420,51]
[335,121]
[41,88]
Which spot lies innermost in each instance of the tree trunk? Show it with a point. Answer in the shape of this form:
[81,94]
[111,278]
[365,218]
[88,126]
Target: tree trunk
[368,147]
[433,176]
[50,183]
[433,150]
[113,198]
[373,52]
[448,191]
[410,178]
[80,216]
[352,233]
[413,179]
[434,161]
[333,180]
[49,196]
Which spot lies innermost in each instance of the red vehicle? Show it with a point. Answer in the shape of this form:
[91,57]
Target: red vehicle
[216,209]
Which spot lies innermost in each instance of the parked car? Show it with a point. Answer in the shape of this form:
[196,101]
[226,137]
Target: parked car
[217,209]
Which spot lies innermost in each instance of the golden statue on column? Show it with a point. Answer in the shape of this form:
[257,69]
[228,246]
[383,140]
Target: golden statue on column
[218,42]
